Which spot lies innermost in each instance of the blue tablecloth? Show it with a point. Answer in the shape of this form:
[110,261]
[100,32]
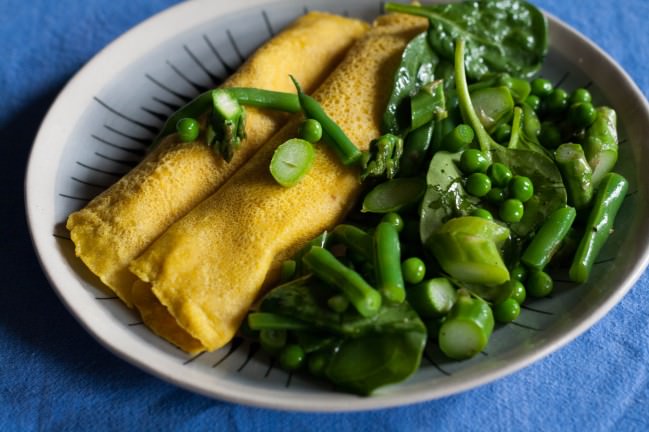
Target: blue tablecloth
[54,376]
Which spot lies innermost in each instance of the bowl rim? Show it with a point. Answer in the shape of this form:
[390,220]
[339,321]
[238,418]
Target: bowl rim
[140,40]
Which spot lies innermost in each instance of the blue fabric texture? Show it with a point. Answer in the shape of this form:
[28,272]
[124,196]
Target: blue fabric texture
[53,376]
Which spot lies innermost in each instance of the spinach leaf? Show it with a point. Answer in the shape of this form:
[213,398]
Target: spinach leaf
[418,63]
[445,196]
[525,131]
[533,162]
[306,300]
[362,354]
[364,364]
[549,190]
[502,36]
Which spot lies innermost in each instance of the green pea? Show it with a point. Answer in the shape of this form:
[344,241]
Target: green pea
[541,87]
[502,133]
[518,291]
[311,130]
[496,195]
[534,102]
[287,270]
[511,210]
[291,357]
[482,213]
[457,139]
[272,341]
[580,95]
[582,114]
[394,219]
[550,136]
[316,362]
[472,161]
[338,303]
[478,184]
[500,174]
[507,311]
[539,284]
[188,129]
[413,270]
[521,188]
[557,101]
[519,273]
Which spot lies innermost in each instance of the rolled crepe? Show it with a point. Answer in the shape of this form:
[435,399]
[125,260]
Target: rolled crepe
[209,267]
[117,226]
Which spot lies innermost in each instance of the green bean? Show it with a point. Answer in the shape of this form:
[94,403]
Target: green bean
[394,195]
[332,133]
[467,328]
[577,174]
[600,143]
[287,270]
[539,284]
[608,200]
[427,105]
[440,130]
[271,321]
[387,262]
[355,239]
[268,99]
[548,239]
[326,267]
[415,147]
[433,297]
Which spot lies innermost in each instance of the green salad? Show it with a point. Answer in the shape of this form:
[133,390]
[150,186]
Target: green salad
[487,176]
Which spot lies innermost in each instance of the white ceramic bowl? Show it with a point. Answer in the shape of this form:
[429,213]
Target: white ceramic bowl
[97,129]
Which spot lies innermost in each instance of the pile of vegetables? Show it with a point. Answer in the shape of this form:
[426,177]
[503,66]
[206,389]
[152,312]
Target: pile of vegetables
[486,177]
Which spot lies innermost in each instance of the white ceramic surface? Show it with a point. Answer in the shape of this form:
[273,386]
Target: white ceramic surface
[98,128]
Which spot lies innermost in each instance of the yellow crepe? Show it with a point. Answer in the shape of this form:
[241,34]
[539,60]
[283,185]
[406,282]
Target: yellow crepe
[209,267]
[119,224]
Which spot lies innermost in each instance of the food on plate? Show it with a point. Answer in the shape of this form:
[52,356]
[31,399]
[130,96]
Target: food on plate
[482,182]
[119,224]
[209,267]
[412,203]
